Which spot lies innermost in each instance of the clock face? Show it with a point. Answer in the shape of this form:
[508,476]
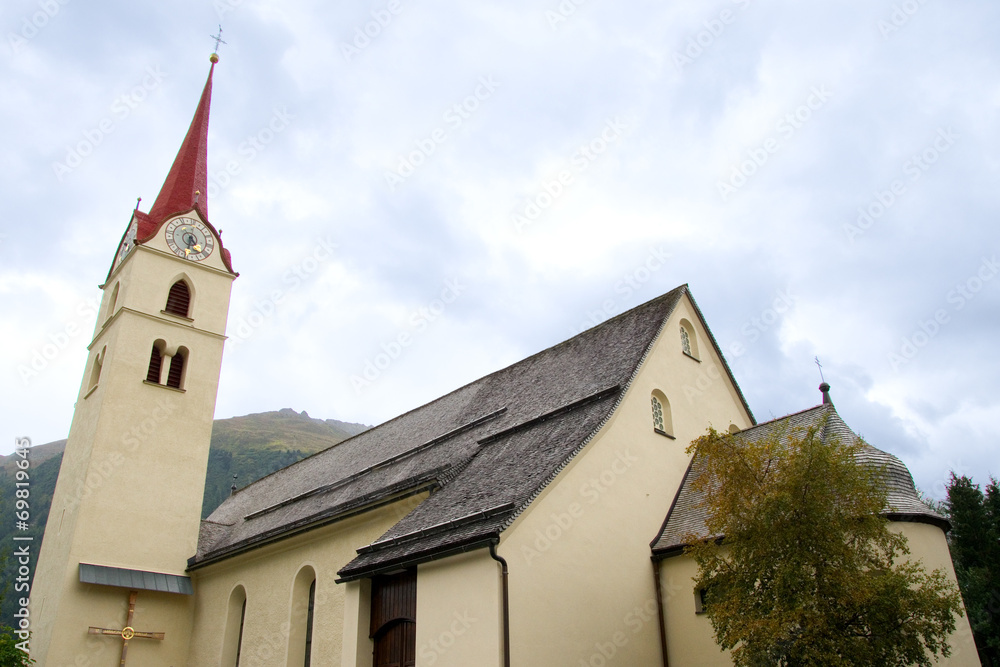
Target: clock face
[127,244]
[190,239]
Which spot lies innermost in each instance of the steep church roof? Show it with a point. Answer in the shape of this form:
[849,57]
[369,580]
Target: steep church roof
[484,450]
[687,515]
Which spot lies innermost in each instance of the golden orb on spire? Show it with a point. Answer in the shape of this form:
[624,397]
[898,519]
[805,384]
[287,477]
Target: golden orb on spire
[214,58]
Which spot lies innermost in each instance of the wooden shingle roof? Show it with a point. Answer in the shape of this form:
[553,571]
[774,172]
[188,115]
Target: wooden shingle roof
[686,516]
[484,451]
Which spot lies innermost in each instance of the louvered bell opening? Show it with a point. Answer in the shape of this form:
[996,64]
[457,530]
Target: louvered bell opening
[179,299]
[176,369]
[155,361]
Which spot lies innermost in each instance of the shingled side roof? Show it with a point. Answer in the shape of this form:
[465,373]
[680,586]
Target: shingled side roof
[687,515]
[484,450]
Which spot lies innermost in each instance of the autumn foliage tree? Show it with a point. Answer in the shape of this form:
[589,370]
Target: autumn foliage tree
[804,569]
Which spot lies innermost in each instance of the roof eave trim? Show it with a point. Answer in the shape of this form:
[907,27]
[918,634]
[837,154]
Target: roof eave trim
[436,553]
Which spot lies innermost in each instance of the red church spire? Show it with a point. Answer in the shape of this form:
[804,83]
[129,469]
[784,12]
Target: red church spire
[186,186]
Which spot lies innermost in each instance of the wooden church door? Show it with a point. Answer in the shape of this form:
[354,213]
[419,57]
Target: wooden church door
[394,619]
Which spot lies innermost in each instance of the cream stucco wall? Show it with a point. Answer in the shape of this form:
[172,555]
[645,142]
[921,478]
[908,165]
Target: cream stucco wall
[459,612]
[268,574]
[581,581]
[132,477]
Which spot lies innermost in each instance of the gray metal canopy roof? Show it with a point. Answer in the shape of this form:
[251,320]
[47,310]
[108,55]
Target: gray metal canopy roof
[134,579]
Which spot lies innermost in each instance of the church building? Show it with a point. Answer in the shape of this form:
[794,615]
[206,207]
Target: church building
[534,517]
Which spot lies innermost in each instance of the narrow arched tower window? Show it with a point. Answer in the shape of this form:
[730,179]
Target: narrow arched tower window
[175,377]
[179,299]
[112,302]
[155,365]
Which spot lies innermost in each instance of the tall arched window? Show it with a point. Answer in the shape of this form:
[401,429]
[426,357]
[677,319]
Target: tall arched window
[179,299]
[232,643]
[663,422]
[175,377]
[301,622]
[155,363]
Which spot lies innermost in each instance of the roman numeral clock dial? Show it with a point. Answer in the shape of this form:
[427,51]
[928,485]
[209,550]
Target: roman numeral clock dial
[190,239]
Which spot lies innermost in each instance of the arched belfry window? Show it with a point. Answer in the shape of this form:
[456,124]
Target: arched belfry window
[179,299]
[232,642]
[175,376]
[112,302]
[689,340]
[663,422]
[155,363]
[394,619]
[95,371]
[300,627]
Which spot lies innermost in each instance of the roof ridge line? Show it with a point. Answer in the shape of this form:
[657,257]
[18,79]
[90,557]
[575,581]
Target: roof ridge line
[569,407]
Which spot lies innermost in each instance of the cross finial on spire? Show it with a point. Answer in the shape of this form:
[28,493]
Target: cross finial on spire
[820,366]
[218,39]
[823,387]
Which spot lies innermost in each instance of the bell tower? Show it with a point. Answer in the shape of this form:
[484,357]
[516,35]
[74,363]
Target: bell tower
[110,583]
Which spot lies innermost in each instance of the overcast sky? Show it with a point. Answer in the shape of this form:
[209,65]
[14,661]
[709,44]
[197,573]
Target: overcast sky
[824,176]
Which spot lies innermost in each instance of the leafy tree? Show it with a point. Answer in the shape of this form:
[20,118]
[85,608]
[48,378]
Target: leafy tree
[975,548]
[808,572]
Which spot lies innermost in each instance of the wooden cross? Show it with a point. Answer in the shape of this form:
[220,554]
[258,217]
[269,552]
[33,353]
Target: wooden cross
[128,632]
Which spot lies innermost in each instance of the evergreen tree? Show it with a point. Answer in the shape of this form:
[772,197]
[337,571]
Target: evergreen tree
[975,548]
[808,572]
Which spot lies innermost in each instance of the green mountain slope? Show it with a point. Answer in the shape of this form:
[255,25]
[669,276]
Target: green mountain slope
[249,447]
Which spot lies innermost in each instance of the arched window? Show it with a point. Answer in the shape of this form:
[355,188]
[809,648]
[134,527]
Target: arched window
[232,643]
[112,302]
[179,299]
[301,622]
[155,363]
[733,428]
[662,419]
[95,371]
[175,377]
[394,619]
[689,341]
